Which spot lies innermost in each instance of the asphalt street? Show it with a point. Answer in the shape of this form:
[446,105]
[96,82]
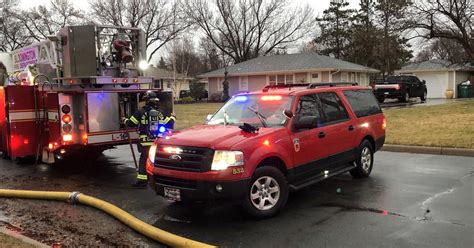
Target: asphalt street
[410,200]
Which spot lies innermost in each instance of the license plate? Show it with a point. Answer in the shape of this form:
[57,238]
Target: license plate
[173,194]
[386,93]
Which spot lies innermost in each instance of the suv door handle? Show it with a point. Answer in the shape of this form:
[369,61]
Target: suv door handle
[322,135]
[351,127]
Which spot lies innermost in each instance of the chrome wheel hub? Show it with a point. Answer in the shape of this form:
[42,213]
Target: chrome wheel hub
[366,159]
[264,193]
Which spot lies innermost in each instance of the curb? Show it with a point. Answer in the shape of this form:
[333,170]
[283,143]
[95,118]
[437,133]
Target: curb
[22,238]
[429,150]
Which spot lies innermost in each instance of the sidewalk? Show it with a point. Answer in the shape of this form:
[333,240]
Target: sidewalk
[429,150]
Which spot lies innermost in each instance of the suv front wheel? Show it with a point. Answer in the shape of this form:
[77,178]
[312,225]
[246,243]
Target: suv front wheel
[267,192]
[365,160]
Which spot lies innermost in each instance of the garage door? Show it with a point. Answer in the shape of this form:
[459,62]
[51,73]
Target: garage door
[435,84]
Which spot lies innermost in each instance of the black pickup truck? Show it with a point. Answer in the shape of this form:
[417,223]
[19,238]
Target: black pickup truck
[401,87]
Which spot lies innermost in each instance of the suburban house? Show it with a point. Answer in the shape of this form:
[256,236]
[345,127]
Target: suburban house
[169,80]
[254,74]
[440,75]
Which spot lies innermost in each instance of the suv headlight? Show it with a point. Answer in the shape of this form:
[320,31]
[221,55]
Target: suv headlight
[225,159]
[152,153]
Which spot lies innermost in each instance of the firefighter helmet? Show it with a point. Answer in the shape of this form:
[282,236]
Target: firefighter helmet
[150,97]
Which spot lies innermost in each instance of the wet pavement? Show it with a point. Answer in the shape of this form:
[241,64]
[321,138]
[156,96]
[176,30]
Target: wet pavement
[410,200]
[416,102]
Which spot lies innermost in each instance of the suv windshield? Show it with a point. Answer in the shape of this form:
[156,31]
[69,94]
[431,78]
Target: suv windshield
[247,108]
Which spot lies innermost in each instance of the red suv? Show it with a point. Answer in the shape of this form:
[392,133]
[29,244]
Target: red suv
[260,146]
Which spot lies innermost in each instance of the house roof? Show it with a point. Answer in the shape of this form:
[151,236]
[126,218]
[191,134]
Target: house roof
[298,62]
[159,73]
[435,65]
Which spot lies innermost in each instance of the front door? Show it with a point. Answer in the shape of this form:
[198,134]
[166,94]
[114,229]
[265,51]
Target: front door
[308,148]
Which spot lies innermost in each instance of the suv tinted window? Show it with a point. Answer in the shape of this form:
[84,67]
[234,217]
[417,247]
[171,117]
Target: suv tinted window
[307,106]
[332,107]
[362,102]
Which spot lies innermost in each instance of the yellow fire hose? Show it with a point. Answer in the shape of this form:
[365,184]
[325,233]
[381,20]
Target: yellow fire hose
[129,220]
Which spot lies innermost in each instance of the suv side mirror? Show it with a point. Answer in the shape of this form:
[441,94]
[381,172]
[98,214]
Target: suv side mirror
[423,81]
[288,113]
[306,122]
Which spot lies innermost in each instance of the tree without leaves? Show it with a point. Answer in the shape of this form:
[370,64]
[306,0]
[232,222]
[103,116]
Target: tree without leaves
[13,34]
[444,49]
[161,20]
[184,59]
[335,28]
[246,29]
[213,57]
[449,19]
[43,21]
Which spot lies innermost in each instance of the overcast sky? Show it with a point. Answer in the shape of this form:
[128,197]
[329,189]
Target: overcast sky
[318,5]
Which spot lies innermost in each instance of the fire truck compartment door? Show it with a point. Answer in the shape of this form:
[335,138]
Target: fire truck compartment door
[103,111]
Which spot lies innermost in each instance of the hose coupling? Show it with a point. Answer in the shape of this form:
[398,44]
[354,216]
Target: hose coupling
[74,197]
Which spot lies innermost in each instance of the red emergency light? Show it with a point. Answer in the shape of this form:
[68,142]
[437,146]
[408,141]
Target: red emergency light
[270,98]
[66,118]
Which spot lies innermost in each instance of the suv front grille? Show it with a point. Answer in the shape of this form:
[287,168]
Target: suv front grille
[195,159]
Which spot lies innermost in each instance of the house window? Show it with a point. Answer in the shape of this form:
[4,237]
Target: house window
[344,76]
[157,84]
[316,77]
[220,86]
[289,79]
[168,84]
[272,80]
[352,77]
[363,79]
[280,79]
[244,83]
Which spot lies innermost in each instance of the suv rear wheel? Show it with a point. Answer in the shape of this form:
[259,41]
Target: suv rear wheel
[365,160]
[405,97]
[267,192]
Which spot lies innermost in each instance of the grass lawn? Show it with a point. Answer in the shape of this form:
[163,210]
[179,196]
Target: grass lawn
[189,115]
[446,125]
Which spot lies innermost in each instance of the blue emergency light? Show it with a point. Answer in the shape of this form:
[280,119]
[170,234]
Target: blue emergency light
[162,129]
[241,98]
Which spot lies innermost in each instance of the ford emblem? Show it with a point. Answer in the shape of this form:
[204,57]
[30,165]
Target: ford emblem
[175,157]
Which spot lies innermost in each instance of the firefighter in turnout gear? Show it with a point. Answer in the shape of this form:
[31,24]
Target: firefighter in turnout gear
[151,122]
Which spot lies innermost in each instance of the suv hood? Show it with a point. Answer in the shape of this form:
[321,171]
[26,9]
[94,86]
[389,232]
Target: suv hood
[211,136]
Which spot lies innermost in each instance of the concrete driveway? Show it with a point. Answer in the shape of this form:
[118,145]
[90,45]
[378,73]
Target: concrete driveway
[410,200]
[415,102]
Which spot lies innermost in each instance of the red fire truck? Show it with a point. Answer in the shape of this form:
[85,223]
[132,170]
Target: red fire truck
[69,93]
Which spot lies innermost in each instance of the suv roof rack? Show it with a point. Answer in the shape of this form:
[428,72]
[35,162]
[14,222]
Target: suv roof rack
[283,86]
[332,84]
